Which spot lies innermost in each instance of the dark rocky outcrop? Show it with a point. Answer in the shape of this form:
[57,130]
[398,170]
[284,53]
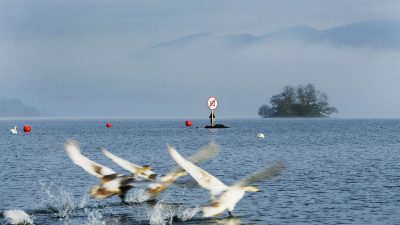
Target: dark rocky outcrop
[217,126]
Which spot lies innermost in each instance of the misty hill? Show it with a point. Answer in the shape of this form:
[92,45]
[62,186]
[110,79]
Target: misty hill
[181,42]
[370,34]
[16,108]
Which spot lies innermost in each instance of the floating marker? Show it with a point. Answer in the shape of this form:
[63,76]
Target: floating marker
[108,125]
[27,129]
[188,123]
[261,136]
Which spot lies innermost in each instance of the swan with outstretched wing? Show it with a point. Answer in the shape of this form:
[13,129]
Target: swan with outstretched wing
[111,182]
[224,197]
[205,153]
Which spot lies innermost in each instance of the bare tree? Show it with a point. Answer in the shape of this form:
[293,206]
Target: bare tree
[266,111]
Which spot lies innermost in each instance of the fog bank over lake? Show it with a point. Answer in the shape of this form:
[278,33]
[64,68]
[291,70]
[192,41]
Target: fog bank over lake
[152,60]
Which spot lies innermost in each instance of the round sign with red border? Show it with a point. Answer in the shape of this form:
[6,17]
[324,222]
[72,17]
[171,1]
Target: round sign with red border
[212,103]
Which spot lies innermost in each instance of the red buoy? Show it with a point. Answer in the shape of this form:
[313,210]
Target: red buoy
[27,129]
[188,123]
[108,125]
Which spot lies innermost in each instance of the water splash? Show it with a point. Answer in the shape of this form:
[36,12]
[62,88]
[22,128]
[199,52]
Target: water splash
[57,200]
[157,216]
[16,216]
[83,203]
[163,214]
[184,214]
[138,196]
[94,217]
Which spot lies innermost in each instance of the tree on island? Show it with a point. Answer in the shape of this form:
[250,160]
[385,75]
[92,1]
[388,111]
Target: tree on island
[303,101]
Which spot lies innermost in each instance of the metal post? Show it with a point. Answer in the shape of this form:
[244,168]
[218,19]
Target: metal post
[212,118]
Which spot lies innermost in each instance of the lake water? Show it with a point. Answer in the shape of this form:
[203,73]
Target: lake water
[338,171]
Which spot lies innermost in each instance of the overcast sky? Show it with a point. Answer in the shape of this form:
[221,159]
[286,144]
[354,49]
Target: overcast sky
[101,58]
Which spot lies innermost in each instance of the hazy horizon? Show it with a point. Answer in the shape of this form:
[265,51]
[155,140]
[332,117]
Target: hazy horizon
[159,59]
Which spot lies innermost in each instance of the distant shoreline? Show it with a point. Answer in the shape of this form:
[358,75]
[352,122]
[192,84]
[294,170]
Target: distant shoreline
[205,119]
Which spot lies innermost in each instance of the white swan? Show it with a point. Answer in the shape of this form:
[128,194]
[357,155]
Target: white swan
[224,197]
[112,183]
[205,153]
[14,130]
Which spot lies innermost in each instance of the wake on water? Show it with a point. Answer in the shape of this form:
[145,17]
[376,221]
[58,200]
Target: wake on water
[60,203]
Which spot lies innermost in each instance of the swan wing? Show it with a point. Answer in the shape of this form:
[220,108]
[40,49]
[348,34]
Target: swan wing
[205,180]
[129,166]
[93,168]
[205,153]
[262,174]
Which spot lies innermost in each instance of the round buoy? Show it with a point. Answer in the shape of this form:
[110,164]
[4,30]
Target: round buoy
[261,136]
[27,129]
[188,123]
[108,125]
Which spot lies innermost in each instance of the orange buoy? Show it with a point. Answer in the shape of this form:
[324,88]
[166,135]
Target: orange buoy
[188,123]
[27,129]
[108,125]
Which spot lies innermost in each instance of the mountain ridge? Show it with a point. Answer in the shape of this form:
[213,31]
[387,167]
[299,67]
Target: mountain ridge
[12,107]
[381,34]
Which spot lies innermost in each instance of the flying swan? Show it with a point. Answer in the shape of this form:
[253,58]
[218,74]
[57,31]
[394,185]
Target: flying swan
[111,182]
[224,197]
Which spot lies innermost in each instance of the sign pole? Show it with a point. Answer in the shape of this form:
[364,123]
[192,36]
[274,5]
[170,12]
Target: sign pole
[212,105]
[212,118]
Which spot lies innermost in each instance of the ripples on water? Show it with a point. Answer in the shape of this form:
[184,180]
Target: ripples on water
[338,171]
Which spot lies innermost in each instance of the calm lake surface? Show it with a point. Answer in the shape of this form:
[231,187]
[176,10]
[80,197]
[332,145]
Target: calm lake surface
[339,171]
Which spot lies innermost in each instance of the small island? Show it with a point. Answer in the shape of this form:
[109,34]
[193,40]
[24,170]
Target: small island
[303,101]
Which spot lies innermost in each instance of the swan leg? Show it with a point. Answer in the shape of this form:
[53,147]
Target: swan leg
[230,213]
[122,197]
[123,201]
[122,194]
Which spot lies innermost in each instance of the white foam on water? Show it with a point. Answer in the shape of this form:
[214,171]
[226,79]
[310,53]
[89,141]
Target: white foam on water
[229,221]
[138,196]
[16,216]
[83,203]
[94,217]
[163,214]
[58,200]
[184,214]
[157,216]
